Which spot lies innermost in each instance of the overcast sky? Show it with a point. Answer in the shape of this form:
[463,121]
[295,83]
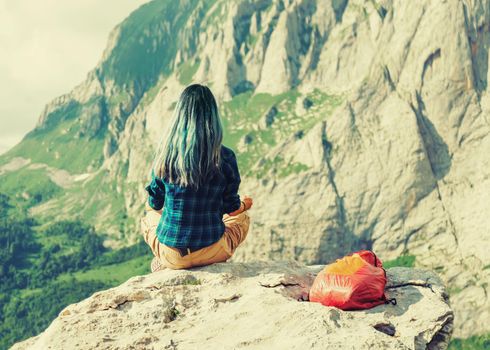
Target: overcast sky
[46,48]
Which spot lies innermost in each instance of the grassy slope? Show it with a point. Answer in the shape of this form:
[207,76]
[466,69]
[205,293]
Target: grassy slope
[149,41]
[113,274]
[244,115]
[478,342]
[402,261]
[29,186]
[187,70]
[59,144]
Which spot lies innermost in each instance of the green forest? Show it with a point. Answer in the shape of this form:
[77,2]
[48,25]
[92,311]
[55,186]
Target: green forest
[46,266]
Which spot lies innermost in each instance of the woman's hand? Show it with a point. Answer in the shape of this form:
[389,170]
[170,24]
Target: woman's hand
[245,204]
[248,202]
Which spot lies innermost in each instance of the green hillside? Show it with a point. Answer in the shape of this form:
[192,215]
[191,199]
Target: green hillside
[77,135]
[45,267]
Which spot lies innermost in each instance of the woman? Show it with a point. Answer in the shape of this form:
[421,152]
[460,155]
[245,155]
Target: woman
[194,215]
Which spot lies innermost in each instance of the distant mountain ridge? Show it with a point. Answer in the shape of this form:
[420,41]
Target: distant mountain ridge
[357,124]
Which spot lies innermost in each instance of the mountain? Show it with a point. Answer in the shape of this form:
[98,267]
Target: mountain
[357,124]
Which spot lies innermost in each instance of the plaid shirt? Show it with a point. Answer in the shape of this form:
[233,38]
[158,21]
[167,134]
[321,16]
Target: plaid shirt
[194,218]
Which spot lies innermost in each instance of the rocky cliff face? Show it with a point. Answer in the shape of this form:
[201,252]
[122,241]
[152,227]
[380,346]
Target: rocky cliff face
[358,124]
[248,306]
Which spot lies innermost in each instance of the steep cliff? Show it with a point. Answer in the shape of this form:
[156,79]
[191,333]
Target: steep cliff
[357,123]
[249,306]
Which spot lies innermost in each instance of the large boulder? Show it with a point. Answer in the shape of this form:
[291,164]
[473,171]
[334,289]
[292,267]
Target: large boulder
[249,306]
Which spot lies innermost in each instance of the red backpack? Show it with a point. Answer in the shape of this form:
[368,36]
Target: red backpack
[356,281]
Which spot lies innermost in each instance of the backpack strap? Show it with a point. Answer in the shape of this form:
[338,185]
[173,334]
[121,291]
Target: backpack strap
[391,301]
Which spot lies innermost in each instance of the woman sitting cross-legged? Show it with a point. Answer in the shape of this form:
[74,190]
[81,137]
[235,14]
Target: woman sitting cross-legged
[194,215]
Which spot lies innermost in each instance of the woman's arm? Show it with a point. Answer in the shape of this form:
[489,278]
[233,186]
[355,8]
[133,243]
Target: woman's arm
[149,208]
[231,199]
[232,205]
[246,204]
[156,194]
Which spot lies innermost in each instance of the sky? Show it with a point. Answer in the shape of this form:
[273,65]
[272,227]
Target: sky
[47,47]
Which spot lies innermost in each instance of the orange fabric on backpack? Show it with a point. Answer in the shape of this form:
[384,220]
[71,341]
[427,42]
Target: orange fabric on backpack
[354,282]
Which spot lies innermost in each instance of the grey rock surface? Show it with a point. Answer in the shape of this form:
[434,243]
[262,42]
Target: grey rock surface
[249,306]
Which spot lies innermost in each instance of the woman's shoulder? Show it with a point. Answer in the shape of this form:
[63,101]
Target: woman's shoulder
[227,153]
[229,163]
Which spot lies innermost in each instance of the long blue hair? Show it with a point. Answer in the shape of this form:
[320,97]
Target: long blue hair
[190,152]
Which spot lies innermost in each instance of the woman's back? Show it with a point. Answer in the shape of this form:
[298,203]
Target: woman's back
[193,217]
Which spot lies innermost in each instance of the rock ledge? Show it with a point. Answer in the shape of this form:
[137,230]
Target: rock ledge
[249,306]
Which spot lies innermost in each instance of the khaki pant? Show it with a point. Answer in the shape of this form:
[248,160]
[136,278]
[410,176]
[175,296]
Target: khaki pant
[236,229]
